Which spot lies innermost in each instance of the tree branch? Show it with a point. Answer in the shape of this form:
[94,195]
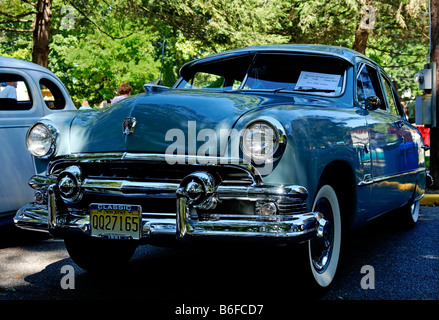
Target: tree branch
[170,19]
[395,53]
[15,21]
[31,3]
[17,16]
[95,24]
[402,65]
[16,30]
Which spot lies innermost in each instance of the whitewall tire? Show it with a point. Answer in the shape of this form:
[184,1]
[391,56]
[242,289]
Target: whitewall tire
[324,251]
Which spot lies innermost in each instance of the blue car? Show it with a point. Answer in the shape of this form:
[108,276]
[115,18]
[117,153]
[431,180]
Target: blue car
[28,92]
[270,144]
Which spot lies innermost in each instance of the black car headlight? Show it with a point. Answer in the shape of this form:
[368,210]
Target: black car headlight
[263,140]
[41,139]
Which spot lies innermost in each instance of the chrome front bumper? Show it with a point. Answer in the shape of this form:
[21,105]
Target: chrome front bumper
[199,213]
[287,228]
[183,226]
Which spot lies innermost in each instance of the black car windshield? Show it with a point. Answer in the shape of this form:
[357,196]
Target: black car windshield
[315,74]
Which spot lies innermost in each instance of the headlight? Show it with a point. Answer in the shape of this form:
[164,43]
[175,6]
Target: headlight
[40,139]
[262,140]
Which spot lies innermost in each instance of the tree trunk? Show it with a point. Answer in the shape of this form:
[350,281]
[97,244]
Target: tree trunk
[360,42]
[367,22]
[434,57]
[41,33]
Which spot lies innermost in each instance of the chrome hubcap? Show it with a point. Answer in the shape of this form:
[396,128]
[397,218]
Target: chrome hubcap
[322,245]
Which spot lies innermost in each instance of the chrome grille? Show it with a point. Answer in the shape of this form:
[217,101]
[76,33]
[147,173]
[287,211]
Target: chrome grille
[138,171]
[147,180]
[119,181]
[291,207]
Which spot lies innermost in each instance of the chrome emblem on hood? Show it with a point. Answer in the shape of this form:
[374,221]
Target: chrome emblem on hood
[129,125]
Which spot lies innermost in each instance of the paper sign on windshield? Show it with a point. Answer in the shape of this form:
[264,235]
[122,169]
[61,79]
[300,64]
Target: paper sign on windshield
[319,81]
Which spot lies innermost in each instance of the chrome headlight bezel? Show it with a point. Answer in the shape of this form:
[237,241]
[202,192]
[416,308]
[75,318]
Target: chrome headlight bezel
[276,147]
[49,138]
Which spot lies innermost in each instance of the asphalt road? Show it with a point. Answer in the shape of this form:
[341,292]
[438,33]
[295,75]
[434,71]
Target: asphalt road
[379,262]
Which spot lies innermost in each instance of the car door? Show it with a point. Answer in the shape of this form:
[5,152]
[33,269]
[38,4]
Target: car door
[386,142]
[32,95]
[16,115]
[413,152]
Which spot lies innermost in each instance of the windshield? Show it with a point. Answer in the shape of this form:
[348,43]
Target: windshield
[269,72]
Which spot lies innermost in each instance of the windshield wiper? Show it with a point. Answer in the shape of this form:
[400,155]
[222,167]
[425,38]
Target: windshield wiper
[310,89]
[279,89]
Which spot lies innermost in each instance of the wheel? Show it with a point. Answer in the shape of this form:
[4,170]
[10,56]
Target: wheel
[95,254]
[410,214]
[324,250]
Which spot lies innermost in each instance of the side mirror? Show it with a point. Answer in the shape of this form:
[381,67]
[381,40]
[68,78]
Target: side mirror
[372,103]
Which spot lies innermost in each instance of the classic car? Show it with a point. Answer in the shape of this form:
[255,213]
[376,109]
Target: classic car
[27,93]
[276,144]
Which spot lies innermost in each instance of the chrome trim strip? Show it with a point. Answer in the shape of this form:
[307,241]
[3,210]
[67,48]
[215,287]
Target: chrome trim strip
[32,217]
[39,181]
[261,192]
[252,192]
[367,180]
[122,186]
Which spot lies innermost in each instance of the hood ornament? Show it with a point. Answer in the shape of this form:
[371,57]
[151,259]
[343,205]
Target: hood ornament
[129,124]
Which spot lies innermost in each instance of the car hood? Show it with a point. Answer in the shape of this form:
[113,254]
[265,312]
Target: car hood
[175,118]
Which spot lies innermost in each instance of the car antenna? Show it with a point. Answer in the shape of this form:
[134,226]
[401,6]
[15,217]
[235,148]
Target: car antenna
[156,85]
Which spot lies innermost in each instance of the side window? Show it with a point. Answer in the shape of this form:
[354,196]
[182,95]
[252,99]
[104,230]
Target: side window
[207,80]
[368,84]
[390,98]
[14,93]
[52,94]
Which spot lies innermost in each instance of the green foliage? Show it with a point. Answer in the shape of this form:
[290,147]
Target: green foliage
[323,22]
[93,68]
[93,61]
[97,44]
[13,16]
[399,42]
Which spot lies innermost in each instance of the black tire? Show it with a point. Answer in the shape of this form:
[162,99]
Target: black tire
[98,255]
[324,251]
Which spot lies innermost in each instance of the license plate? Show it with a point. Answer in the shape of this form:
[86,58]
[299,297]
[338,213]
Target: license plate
[115,221]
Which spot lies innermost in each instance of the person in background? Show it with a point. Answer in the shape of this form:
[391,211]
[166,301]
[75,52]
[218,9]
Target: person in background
[123,92]
[9,90]
[105,103]
[85,105]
